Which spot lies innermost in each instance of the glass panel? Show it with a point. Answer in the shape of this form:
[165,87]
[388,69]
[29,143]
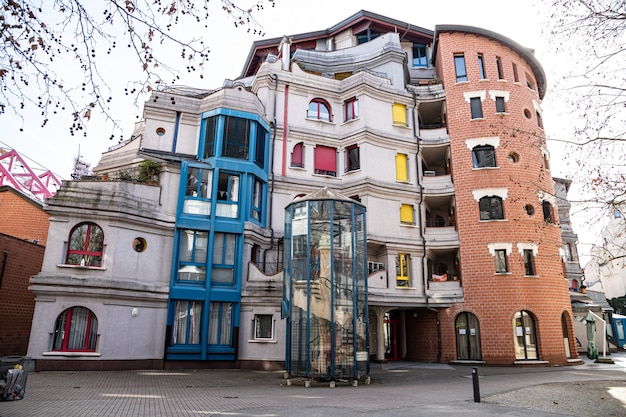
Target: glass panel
[259,156]
[501,265]
[236,137]
[459,65]
[263,326]
[209,137]
[199,207]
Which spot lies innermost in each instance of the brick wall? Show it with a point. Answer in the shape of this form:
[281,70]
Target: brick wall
[22,217]
[19,260]
[495,298]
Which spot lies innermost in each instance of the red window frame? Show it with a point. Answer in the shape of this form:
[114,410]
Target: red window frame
[351,109]
[89,343]
[297,156]
[89,256]
[326,160]
[315,107]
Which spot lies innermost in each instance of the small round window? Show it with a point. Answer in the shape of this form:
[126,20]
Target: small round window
[160,131]
[528,114]
[139,244]
[530,210]
[514,157]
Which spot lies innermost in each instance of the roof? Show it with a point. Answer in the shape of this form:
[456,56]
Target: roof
[526,53]
[363,18]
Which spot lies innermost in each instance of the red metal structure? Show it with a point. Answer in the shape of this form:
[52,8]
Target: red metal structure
[14,171]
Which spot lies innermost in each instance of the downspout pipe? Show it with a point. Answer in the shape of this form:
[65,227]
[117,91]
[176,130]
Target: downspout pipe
[421,230]
[271,190]
[5,255]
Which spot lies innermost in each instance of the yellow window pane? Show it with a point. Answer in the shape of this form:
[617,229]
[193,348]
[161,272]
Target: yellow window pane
[399,114]
[401,168]
[406,214]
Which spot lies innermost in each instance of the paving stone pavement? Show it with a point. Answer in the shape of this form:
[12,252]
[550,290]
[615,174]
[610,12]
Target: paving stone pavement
[397,389]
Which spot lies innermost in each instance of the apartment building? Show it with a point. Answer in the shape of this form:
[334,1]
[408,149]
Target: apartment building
[438,134]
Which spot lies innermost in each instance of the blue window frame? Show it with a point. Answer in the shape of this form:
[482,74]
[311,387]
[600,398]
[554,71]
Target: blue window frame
[209,137]
[224,255]
[220,323]
[187,323]
[227,195]
[419,55]
[459,66]
[236,139]
[259,146]
[192,255]
[257,193]
[198,191]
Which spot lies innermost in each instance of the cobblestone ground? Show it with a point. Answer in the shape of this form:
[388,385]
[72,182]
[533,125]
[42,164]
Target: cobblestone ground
[396,390]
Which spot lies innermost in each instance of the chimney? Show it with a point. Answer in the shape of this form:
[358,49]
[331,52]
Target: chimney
[285,52]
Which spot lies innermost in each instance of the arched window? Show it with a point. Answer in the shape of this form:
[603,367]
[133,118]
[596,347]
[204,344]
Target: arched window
[85,245]
[319,109]
[76,329]
[548,217]
[468,337]
[525,336]
[484,156]
[297,155]
[491,208]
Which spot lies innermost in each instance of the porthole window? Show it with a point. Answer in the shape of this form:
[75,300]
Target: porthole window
[139,244]
[530,210]
[514,157]
[160,131]
[527,113]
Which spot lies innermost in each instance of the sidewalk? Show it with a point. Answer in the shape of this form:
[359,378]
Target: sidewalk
[396,389]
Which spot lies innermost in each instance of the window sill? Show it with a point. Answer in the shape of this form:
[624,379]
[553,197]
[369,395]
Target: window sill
[352,171]
[503,273]
[93,268]
[320,120]
[462,82]
[404,125]
[325,176]
[482,80]
[297,167]
[481,168]
[269,341]
[407,224]
[405,288]
[477,118]
[73,354]
[349,121]
[531,276]
[502,80]
[503,113]
[492,220]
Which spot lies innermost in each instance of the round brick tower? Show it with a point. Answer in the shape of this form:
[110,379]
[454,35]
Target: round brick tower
[516,305]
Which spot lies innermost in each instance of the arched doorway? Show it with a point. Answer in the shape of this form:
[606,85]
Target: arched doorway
[525,336]
[468,337]
[393,348]
[564,322]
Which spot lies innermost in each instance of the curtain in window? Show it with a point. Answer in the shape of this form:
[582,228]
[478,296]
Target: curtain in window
[220,317]
[401,168]
[406,214]
[399,113]
[263,326]
[187,323]
[325,159]
[296,156]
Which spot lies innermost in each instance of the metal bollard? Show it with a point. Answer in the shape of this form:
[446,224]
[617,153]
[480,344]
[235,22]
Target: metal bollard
[475,384]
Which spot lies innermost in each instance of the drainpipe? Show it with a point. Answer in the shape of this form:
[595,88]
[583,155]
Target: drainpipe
[4,264]
[421,199]
[271,191]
